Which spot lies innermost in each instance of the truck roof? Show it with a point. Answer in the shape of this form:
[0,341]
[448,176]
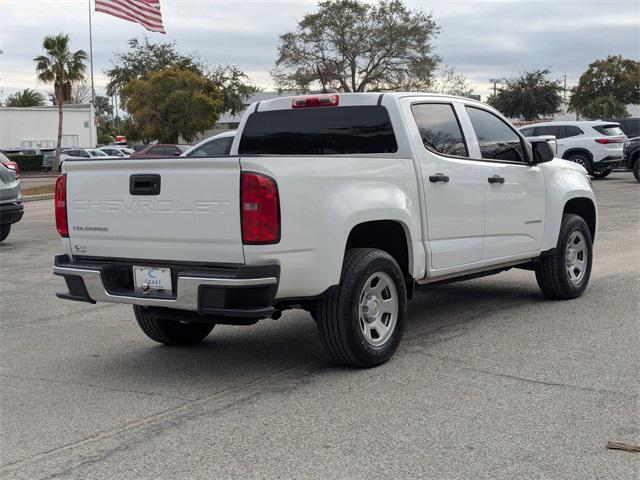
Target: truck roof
[353,99]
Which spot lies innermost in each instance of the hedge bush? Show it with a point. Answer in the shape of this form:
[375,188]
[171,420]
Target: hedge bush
[27,163]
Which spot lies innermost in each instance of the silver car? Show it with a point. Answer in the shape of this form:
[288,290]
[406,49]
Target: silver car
[11,208]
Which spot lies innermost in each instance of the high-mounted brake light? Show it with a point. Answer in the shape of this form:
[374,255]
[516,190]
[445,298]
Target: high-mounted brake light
[259,209]
[10,164]
[322,101]
[60,200]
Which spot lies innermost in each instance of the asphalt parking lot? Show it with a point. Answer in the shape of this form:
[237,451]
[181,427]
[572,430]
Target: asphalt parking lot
[491,380]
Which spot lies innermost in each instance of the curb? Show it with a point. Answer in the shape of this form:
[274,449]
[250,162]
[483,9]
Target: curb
[35,198]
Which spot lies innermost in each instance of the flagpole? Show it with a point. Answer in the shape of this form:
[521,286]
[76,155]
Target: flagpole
[93,90]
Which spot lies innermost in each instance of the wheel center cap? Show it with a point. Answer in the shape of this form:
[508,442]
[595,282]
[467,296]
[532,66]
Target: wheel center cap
[372,308]
[571,256]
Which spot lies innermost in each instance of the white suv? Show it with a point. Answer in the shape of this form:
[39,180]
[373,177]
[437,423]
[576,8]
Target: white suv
[596,145]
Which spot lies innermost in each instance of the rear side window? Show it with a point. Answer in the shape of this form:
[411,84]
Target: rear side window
[219,147]
[496,139]
[554,130]
[439,128]
[609,130]
[319,131]
[572,131]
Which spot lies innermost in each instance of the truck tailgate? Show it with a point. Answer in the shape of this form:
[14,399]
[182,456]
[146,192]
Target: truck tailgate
[116,210]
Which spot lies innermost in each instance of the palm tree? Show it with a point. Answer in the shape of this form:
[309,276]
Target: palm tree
[61,67]
[25,98]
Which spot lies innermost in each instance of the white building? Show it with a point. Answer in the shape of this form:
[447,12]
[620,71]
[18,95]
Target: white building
[37,127]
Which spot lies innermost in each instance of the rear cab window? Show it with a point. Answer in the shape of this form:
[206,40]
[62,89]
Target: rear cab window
[341,130]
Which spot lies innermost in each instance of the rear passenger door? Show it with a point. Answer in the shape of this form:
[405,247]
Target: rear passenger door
[454,188]
[516,193]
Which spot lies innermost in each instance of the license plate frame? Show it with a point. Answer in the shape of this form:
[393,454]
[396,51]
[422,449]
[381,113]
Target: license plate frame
[152,279]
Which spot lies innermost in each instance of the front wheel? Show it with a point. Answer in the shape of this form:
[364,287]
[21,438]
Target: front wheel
[565,273]
[362,321]
[4,232]
[170,332]
[602,174]
[636,169]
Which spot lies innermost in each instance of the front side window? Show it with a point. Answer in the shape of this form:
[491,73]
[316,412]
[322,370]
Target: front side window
[362,129]
[496,139]
[439,128]
[527,132]
[219,147]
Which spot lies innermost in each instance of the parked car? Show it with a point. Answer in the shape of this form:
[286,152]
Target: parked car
[632,156]
[117,151]
[630,126]
[11,208]
[216,146]
[73,153]
[161,151]
[596,145]
[341,204]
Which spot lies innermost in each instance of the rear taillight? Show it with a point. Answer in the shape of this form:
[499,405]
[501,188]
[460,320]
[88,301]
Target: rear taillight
[60,200]
[605,141]
[259,209]
[323,101]
[13,166]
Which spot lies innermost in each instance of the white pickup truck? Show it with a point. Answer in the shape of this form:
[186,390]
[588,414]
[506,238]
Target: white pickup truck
[340,204]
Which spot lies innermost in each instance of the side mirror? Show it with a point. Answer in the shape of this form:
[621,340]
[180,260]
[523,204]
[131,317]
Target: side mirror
[542,151]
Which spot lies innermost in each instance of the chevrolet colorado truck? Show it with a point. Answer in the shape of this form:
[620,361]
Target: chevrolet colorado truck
[339,204]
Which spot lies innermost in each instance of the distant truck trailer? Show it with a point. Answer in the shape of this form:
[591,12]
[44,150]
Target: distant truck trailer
[37,127]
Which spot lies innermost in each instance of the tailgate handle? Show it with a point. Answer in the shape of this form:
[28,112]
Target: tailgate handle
[144,184]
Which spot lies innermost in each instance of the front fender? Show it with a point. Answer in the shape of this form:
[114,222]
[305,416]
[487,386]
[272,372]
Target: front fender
[565,181]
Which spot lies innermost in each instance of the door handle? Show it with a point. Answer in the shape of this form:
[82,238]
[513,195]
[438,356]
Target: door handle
[496,179]
[438,177]
[144,184]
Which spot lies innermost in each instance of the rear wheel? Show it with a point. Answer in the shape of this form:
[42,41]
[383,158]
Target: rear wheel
[362,321]
[170,332]
[636,169]
[601,175]
[565,273]
[4,231]
[582,159]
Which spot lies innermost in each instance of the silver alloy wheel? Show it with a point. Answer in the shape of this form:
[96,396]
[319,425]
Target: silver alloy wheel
[378,308]
[576,257]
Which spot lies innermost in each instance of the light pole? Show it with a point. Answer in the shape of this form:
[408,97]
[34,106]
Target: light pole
[495,82]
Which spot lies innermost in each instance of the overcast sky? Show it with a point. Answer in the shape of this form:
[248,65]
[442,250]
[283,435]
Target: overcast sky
[482,39]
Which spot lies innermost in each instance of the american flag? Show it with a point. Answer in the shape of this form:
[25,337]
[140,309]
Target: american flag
[145,12]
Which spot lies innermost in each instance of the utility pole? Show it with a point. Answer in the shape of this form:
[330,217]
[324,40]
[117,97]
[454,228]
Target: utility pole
[564,93]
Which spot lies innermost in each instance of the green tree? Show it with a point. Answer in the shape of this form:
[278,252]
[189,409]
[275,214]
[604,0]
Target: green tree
[25,98]
[172,103]
[615,77]
[530,96]
[144,58]
[61,67]
[105,120]
[604,107]
[356,46]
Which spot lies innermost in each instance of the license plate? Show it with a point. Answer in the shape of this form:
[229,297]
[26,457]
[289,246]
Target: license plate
[152,279]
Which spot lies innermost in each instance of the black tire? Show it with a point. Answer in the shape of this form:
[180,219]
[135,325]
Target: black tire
[636,169]
[170,332]
[552,272]
[602,174]
[338,313]
[582,159]
[4,232]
